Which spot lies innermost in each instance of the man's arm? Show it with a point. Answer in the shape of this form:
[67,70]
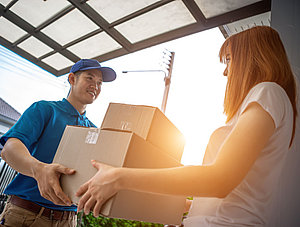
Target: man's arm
[16,155]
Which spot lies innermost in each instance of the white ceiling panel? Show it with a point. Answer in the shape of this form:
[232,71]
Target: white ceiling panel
[10,31]
[35,47]
[4,2]
[95,46]
[217,7]
[116,9]
[70,27]
[166,18]
[36,12]
[57,61]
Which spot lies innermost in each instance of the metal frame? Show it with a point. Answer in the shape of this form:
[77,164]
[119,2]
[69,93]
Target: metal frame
[201,24]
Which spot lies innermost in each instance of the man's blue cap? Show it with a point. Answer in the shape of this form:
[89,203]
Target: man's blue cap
[108,74]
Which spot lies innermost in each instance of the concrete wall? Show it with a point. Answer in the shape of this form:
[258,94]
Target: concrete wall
[285,18]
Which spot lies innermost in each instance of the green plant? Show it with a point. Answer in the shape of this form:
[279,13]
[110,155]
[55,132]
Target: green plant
[91,221]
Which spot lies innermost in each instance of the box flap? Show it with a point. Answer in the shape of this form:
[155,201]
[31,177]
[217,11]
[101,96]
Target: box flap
[133,118]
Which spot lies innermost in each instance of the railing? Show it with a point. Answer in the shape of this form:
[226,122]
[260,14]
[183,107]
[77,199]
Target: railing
[7,174]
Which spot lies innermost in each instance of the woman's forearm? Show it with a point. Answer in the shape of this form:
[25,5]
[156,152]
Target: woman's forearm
[183,181]
[204,181]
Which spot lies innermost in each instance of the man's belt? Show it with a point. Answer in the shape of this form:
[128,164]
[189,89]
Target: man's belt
[35,208]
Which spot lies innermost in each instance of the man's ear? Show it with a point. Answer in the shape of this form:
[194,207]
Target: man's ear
[71,78]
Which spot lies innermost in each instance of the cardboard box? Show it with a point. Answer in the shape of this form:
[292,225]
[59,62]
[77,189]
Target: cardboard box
[118,148]
[149,123]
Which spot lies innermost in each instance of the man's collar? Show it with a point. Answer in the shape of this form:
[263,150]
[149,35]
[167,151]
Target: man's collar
[71,109]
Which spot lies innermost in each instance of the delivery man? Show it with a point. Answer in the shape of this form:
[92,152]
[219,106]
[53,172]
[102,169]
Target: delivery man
[36,197]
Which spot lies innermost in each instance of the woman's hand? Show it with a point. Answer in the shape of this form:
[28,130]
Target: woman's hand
[103,185]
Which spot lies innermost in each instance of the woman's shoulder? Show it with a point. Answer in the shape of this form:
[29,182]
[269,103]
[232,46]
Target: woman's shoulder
[272,98]
[267,91]
[268,86]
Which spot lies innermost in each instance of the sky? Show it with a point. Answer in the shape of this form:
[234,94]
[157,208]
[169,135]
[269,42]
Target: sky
[195,101]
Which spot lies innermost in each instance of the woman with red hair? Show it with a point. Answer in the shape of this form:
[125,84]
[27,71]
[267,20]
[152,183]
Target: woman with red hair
[235,188]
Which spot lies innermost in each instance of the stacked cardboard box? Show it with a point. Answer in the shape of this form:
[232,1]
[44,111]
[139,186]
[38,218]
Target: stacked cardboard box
[149,123]
[128,137]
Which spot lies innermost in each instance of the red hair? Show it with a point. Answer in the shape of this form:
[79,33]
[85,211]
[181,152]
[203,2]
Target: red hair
[257,55]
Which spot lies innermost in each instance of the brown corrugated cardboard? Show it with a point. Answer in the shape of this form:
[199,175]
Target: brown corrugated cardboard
[149,123]
[118,148]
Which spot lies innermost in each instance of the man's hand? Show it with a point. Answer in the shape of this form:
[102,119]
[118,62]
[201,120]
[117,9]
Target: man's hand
[98,189]
[16,155]
[47,177]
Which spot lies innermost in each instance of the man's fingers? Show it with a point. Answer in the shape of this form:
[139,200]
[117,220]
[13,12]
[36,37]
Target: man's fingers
[50,195]
[61,195]
[65,170]
[56,200]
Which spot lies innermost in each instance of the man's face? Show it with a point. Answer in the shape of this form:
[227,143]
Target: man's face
[87,86]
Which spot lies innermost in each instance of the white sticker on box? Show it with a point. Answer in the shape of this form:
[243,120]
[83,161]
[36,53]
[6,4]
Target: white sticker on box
[125,125]
[91,137]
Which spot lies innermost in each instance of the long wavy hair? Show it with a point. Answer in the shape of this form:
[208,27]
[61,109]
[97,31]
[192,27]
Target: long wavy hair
[257,55]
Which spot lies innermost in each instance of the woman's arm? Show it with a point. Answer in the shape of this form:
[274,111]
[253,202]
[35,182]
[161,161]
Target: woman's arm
[235,158]
[214,144]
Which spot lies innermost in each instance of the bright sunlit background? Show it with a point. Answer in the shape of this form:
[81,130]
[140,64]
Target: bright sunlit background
[195,103]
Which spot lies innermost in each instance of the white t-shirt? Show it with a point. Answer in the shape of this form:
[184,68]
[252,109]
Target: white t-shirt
[249,204]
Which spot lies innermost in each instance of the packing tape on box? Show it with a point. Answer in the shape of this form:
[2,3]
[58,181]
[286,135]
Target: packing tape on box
[126,125]
[92,136]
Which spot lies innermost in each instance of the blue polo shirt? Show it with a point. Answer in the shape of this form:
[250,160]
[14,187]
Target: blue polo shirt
[40,128]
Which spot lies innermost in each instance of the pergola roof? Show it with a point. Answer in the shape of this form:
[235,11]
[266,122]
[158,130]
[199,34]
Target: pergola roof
[54,34]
